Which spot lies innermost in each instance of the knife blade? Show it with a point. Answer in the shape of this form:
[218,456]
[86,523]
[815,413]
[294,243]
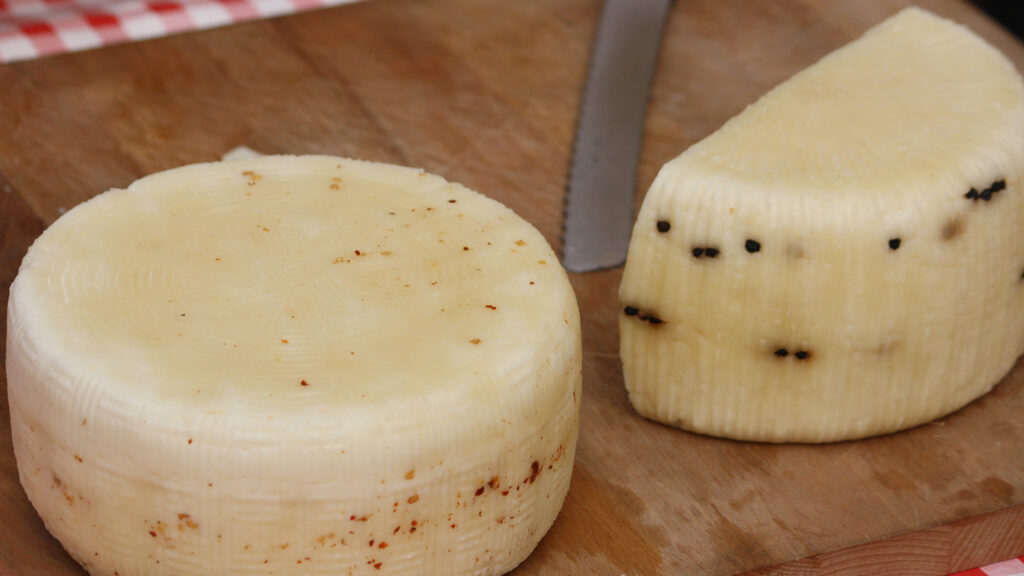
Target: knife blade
[598,218]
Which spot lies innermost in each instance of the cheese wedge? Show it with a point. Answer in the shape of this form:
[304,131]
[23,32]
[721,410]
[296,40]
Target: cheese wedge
[846,256]
[294,365]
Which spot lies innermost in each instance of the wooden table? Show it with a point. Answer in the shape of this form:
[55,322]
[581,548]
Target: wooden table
[486,93]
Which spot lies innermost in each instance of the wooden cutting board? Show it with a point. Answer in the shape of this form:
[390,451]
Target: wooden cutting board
[486,93]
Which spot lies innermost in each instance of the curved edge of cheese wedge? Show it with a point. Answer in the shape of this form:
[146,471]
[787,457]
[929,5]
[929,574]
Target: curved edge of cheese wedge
[845,257]
[255,366]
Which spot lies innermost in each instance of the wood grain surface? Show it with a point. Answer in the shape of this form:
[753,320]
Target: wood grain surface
[486,93]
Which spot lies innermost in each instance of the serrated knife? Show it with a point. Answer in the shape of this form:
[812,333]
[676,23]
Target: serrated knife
[602,174]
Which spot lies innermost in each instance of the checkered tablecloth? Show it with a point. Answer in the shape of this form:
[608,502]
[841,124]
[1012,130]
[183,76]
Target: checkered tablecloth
[34,28]
[1013,567]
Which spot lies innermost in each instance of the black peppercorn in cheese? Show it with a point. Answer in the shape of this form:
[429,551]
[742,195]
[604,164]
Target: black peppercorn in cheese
[260,365]
[877,198]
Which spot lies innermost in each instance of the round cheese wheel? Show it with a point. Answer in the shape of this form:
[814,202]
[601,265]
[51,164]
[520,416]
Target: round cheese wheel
[294,365]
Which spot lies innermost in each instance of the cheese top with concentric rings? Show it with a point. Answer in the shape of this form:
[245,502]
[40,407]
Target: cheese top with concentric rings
[286,287]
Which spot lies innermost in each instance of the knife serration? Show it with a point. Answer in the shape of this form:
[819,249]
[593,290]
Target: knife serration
[602,175]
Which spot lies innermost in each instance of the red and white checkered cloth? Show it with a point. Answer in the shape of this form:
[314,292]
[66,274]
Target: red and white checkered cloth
[33,28]
[1013,567]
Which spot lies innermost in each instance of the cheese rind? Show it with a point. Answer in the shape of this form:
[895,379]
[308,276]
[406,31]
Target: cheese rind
[845,257]
[291,363]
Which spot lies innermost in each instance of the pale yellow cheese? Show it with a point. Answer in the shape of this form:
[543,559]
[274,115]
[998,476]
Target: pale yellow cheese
[294,365]
[846,256]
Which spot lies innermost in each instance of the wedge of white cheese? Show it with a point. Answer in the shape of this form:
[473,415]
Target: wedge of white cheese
[845,257]
[294,365]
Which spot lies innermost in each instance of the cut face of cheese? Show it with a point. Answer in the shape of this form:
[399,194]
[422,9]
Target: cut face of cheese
[844,258]
[280,364]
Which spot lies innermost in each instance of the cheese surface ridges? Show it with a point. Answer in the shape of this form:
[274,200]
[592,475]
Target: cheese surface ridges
[294,365]
[845,257]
